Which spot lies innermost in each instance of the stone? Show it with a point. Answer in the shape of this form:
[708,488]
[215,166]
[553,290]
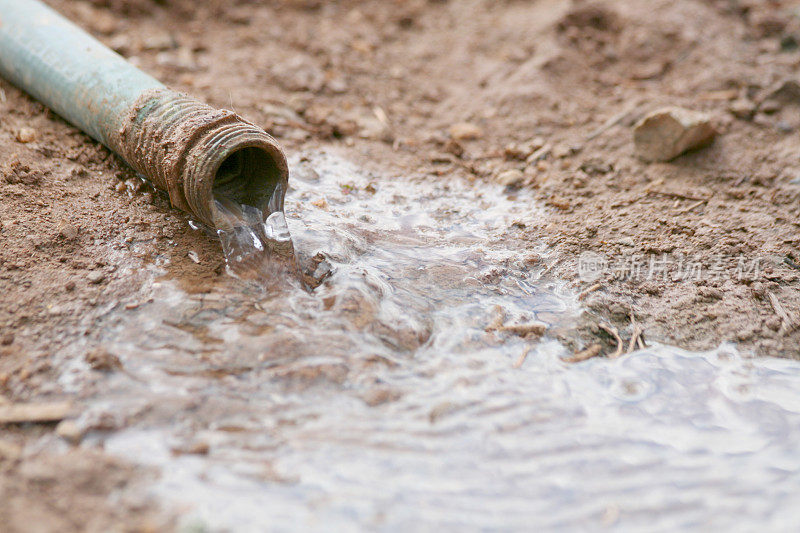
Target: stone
[516,151]
[102,360]
[26,135]
[70,431]
[560,151]
[742,109]
[667,133]
[197,447]
[464,131]
[511,178]
[786,92]
[779,106]
[95,277]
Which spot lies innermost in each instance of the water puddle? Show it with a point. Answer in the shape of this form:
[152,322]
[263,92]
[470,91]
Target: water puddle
[391,398]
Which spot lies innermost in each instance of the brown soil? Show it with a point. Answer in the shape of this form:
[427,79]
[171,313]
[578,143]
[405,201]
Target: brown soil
[393,83]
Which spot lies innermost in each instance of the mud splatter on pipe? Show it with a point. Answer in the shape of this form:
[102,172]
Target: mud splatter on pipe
[186,148]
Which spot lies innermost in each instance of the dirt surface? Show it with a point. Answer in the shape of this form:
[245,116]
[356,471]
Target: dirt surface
[549,89]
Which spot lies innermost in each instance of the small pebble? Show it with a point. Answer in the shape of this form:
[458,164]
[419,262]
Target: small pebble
[70,286]
[96,276]
[742,109]
[464,131]
[120,187]
[70,431]
[561,151]
[7,339]
[511,178]
[26,135]
[192,448]
[102,360]
[770,107]
[537,143]
[134,184]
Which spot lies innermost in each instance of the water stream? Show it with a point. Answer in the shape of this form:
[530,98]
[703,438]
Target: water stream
[388,399]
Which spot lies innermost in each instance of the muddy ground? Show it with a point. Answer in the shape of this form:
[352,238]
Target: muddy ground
[437,88]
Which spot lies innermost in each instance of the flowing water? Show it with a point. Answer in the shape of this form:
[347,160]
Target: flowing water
[389,398]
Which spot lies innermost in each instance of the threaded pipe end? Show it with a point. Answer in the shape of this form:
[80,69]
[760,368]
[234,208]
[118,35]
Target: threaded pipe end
[197,153]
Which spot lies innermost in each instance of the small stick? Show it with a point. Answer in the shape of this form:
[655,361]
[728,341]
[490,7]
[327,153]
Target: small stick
[523,330]
[610,123]
[521,360]
[614,333]
[678,195]
[788,323]
[18,413]
[549,268]
[499,318]
[788,261]
[589,291]
[694,205]
[592,351]
[635,338]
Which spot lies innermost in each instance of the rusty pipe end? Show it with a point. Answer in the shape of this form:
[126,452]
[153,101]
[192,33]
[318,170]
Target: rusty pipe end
[199,154]
[237,161]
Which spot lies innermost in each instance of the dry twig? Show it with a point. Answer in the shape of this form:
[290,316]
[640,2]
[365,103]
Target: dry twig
[592,351]
[18,413]
[788,322]
[636,338]
[589,291]
[521,360]
[614,333]
[523,330]
[693,206]
[678,195]
[611,122]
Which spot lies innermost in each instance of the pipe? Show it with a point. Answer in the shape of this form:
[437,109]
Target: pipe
[184,147]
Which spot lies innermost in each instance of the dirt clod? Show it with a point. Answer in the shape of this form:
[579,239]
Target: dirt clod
[67,231]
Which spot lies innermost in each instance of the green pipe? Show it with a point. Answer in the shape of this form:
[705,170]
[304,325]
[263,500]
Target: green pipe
[190,150]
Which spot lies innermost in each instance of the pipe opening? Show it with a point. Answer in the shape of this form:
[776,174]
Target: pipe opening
[249,176]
